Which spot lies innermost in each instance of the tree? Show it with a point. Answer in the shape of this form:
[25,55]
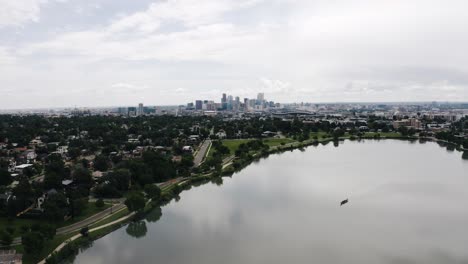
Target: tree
[33,242]
[52,180]
[99,203]
[74,153]
[24,193]
[5,177]
[6,238]
[55,207]
[120,179]
[84,231]
[135,202]
[153,191]
[81,175]
[101,163]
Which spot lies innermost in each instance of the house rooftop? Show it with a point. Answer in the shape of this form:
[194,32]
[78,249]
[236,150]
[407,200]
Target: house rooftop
[67,182]
[23,166]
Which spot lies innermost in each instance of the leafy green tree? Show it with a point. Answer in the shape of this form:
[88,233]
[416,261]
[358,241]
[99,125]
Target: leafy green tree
[33,243]
[135,202]
[5,177]
[101,163]
[120,179]
[153,191]
[55,207]
[74,152]
[47,231]
[24,193]
[99,203]
[6,238]
[82,176]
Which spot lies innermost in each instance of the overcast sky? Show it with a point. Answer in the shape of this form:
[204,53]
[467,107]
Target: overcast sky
[56,53]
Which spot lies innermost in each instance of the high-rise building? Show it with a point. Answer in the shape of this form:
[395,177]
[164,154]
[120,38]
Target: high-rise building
[224,99]
[123,111]
[140,110]
[198,105]
[236,106]
[260,98]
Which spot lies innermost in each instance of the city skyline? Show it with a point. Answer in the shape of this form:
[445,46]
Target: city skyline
[60,53]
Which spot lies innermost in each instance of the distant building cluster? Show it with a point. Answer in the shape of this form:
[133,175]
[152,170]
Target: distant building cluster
[232,104]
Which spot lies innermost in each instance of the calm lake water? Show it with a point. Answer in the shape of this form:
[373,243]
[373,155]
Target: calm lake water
[408,203]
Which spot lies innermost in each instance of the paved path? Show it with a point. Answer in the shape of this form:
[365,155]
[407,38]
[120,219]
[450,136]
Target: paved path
[79,225]
[90,220]
[201,153]
[91,230]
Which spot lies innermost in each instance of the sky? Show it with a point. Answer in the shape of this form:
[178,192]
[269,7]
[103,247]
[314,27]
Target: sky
[66,53]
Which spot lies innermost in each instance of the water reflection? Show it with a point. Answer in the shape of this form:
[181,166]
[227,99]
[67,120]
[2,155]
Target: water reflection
[406,205]
[154,215]
[137,229]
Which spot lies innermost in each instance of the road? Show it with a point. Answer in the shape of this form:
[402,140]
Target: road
[201,153]
[90,220]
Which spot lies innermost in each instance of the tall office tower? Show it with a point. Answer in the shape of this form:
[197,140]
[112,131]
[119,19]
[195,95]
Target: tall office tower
[237,104]
[224,102]
[260,98]
[198,104]
[123,111]
[252,103]
[140,109]
[230,102]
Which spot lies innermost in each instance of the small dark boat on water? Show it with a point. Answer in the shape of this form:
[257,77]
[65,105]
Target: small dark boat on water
[344,202]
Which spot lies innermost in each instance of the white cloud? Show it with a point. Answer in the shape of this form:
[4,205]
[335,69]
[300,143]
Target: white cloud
[317,50]
[20,12]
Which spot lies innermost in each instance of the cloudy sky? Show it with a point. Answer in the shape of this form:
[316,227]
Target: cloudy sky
[56,53]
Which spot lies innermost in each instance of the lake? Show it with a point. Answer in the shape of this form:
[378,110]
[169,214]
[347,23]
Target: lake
[407,204]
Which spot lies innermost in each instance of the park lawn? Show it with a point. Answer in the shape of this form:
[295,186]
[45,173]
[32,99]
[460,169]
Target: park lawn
[383,134]
[17,223]
[90,210]
[273,142]
[233,144]
[319,134]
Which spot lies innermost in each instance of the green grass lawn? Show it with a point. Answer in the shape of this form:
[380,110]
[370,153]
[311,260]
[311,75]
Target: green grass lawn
[273,142]
[319,134]
[17,223]
[383,134]
[233,144]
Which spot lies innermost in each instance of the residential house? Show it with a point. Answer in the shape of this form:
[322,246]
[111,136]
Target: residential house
[10,257]
[221,134]
[187,149]
[20,168]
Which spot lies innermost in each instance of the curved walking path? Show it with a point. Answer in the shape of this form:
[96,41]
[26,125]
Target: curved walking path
[90,220]
[79,225]
[57,249]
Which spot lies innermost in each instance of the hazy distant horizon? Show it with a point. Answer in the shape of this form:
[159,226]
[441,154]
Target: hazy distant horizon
[176,105]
